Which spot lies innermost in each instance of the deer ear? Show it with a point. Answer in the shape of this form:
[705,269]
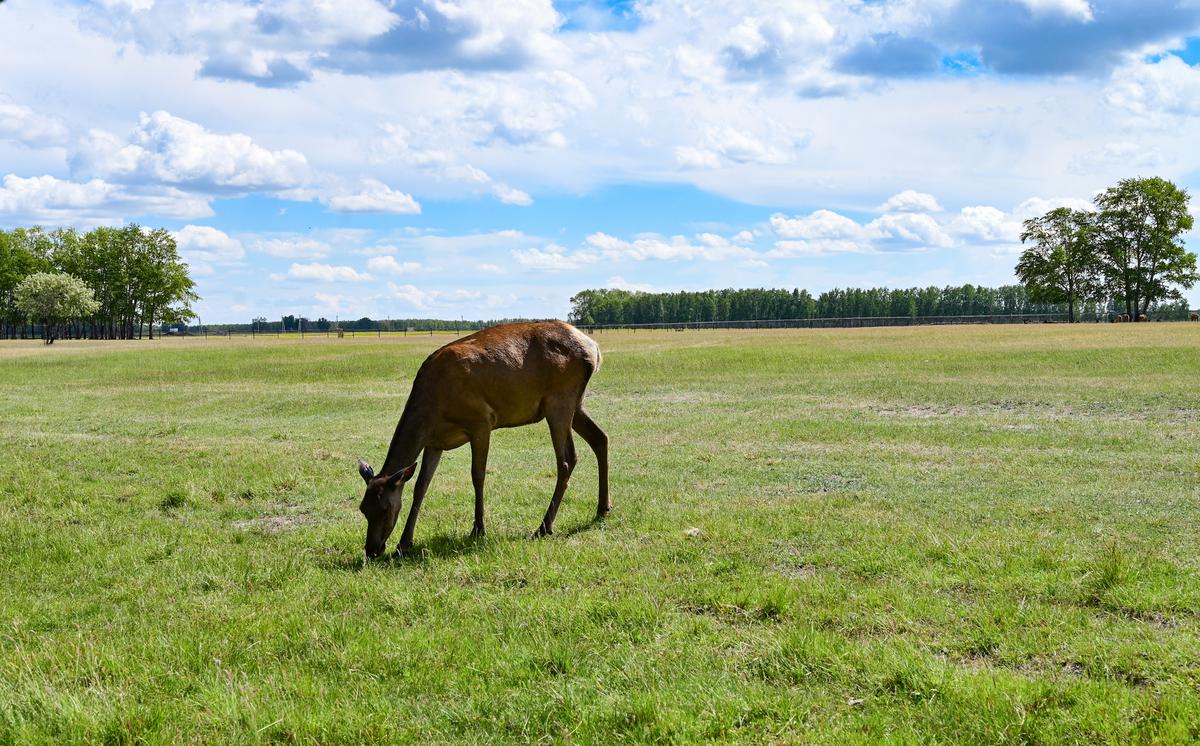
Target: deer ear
[365,471]
[403,475]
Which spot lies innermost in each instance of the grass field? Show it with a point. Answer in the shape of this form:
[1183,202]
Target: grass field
[975,534]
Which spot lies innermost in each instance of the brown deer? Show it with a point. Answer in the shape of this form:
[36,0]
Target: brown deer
[503,376]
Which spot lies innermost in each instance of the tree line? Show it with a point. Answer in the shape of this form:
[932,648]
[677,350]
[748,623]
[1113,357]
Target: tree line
[106,283]
[609,306]
[1128,251]
[1126,258]
[292,323]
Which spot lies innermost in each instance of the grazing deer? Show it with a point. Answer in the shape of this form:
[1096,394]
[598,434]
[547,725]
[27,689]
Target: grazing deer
[503,376]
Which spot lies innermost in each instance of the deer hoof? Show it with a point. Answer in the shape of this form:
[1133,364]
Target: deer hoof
[542,531]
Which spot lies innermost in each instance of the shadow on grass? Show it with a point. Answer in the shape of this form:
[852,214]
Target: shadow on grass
[444,546]
[596,522]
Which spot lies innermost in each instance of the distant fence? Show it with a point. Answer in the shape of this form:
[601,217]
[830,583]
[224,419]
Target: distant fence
[853,322]
[34,331]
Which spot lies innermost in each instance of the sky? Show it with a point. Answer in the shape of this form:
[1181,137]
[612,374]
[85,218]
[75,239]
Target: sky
[479,159]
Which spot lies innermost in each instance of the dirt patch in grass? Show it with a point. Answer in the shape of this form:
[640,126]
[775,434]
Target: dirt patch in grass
[285,519]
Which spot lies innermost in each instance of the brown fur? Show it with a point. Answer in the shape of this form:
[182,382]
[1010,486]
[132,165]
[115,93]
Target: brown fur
[504,376]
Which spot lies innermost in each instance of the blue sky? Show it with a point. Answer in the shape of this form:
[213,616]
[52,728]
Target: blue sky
[465,158]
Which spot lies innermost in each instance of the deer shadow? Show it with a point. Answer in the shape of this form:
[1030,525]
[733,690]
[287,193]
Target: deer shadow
[443,546]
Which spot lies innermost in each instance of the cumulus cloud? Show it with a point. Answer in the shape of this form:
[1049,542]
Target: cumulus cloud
[1117,157]
[510,196]
[890,55]
[825,232]
[911,201]
[1079,10]
[620,283]
[726,144]
[204,247]
[291,247]
[1029,37]
[552,258]
[375,197]
[907,228]
[1168,87]
[280,43]
[28,127]
[167,149]
[48,200]
[428,298]
[822,224]
[397,145]
[984,224]
[389,265]
[770,45]
[318,272]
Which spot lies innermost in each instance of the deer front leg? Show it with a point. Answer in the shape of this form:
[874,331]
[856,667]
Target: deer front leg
[429,464]
[479,454]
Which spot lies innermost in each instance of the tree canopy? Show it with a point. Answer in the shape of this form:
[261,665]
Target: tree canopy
[1129,251]
[1061,265]
[53,299]
[135,273]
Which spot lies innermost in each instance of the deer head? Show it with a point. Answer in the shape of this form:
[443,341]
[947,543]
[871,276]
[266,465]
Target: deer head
[381,505]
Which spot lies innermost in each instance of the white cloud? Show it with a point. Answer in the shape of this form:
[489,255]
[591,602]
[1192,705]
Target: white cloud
[707,246]
[1079,10]
[511,196]
[908,227]
[986,223]
[203,247]
[294,247]
[822,224]
[490,268]
[723,144]
[321,273]
[375,197]
[51,201]
[788,249]
[30,128]
[412,295]
[1117,157]
[620,283]
[167,149]
[911,201]
[397,145]
[279,43]
[1167,87]
[552,258]
[389,265]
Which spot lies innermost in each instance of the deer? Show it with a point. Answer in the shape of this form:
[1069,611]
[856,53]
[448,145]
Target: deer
[503,376]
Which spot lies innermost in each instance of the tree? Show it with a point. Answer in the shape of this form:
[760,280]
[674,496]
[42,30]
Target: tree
[54,299]
[1139,226]
[1062,265]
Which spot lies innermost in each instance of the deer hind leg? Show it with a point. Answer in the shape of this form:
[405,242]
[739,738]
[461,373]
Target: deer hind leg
[595,437]
[559,416]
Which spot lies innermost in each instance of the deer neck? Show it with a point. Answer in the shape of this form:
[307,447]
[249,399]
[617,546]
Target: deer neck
[407,442]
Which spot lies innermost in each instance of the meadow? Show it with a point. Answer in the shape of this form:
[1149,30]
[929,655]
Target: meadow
[935,535]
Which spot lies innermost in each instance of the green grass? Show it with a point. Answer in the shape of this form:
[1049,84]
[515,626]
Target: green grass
[961,534]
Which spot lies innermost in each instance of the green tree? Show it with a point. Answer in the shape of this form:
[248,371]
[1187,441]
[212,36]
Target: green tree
[1139,227]
[1061,265]
[54,299]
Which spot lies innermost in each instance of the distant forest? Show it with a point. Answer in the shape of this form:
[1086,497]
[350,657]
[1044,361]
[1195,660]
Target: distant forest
[608,306]
[291,324]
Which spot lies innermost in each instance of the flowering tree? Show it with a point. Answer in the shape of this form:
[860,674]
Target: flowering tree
[54,299]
